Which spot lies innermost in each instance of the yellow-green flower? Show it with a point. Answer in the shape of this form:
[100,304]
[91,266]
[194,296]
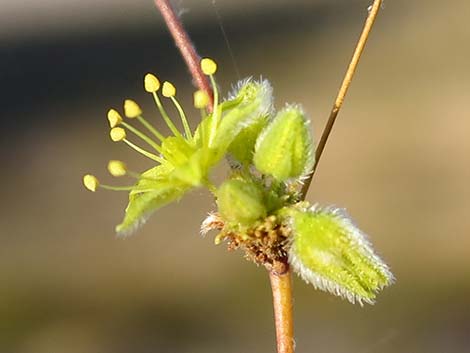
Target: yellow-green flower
[183,159]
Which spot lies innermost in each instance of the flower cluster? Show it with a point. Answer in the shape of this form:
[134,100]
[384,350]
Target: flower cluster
[259,205]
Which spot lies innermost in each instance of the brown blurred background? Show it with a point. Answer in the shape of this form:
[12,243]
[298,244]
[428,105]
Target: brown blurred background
[398,160]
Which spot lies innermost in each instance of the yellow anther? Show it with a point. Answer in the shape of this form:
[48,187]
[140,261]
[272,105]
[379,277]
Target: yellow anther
[208,66]
[114,118]
[131,109]
[117,168]
[168,89]
[151,83]
[117,134]
[201,99]
[91,182]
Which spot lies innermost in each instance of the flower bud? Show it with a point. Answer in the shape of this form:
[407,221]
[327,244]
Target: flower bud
[332,254]
[241,202]
[284,147]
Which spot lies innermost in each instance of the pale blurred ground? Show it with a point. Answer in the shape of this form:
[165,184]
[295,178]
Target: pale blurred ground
[398,160]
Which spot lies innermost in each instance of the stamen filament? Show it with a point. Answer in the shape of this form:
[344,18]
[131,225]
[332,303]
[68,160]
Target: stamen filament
[144,152]
[184,120]
[215,116]
[165,116]
[150,128]
[117,188]
[125,188]
[142,136]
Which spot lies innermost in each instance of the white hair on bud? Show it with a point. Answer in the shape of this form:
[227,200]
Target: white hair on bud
[266,104]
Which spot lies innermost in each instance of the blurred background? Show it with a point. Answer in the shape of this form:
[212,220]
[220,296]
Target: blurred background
[398,161]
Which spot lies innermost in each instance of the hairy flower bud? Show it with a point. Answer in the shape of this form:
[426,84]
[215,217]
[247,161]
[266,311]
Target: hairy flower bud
[330,252]
[241,201]
[284,147]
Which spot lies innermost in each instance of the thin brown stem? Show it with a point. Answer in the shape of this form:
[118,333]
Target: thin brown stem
[185,45]
[373,11]
[281,285]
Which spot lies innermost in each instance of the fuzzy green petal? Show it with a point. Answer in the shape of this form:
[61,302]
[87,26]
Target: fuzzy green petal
[332,254]
[284,147]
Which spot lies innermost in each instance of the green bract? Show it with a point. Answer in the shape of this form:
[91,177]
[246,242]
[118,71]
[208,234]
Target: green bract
[259,205]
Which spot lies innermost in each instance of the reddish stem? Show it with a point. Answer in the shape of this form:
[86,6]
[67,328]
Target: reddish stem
[185,45]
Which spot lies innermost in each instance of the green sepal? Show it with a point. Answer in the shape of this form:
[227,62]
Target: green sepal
[284,148]
[241,202]
[153,191]
[330,252]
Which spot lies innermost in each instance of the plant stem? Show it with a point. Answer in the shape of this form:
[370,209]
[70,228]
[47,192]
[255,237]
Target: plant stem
[184,44]
[281,285]
[373,11]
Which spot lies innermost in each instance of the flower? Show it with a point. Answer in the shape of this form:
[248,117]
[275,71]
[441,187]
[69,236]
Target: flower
[184,159]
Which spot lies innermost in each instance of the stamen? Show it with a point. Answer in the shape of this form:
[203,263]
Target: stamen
[144,152]
[151,83]
[119,134]
[114,118]
[91,182]
[201,99]
[142,136]
[165,116]
[117,168]
[118,188]
[150,128]
[169,91]
[131,109]
[184,120]
[209,67]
